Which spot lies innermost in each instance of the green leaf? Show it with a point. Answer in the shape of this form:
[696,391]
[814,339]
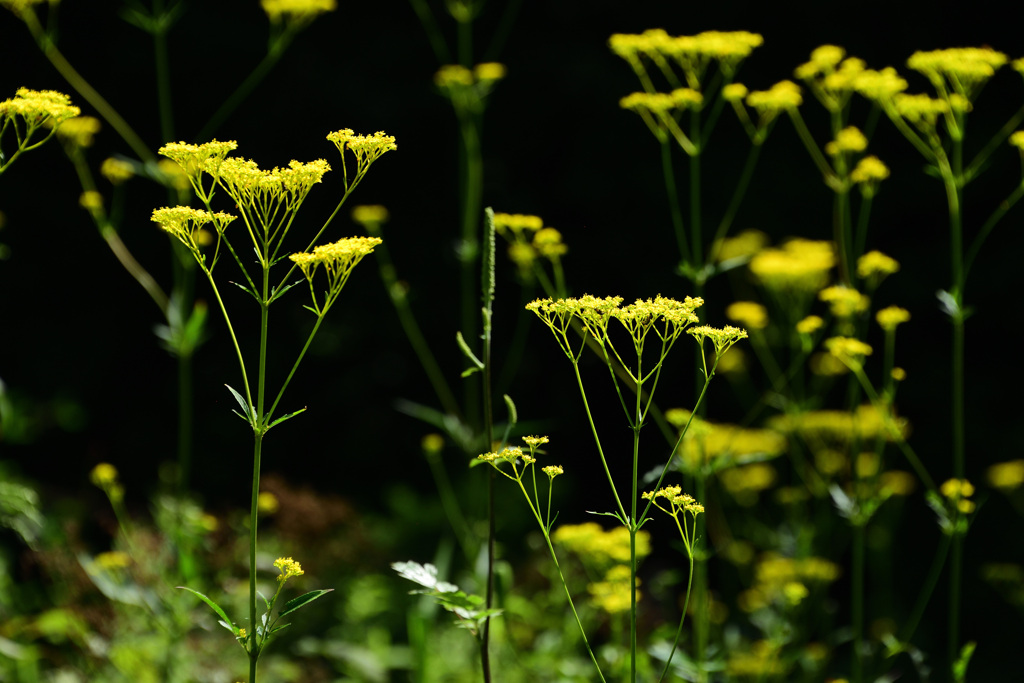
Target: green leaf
[216,608]
[265,601]
[242,402]
[246,288]
[468,353]
[616,515]
[513,415]
[960,665]
[303,600]
[278,292]
[285,417]
[278,628]
[423,574]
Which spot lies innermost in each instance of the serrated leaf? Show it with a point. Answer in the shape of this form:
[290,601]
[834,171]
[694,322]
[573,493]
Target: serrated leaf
[303,600]
[246,408]
[285,417]
[214,606]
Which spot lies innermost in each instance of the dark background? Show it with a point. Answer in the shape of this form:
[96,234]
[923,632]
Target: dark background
[76,345]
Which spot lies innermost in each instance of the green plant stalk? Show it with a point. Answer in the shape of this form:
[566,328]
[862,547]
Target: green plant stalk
[163,74]
[697,248]
[254,650]
[275,50]
[487,282]
[857,603]
[679,630]
[701,624]
[633,527]
[673,200]
[737,198]
[472,199]
[82,87]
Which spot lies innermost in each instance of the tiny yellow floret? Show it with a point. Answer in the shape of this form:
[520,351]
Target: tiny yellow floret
[888,318]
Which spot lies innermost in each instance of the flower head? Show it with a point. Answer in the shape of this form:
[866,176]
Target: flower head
[79,131]
[552,471]
[844,302]
[848,350]
[889,318]
[849,139]
[37,107]
[749,313]
[288,568]
[185,223]
[299,11]
[799,266]
[116,170]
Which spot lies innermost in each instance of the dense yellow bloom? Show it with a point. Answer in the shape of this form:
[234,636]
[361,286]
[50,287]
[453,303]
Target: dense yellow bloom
[337,258]
[103,475]
[195,159]
[870,169]
[185,223]
[958,491]
[90,200]
[838,427]
[552,471]
[849,139]
[1017,140]
[735,92]
[296,9]
[847,349]
[921,110]
[599,548]
[844,302]
[706,441]
[749,313]
[489,71]
[453,75]
[780,97]
[370,214]
[810,324]
[267,503]
[79,131]
[535,441]
[37,107]
[116,170]
[965,68]
[721,337]
[743,245]
[548,243]
[613,595]
[288,568]
[880,86]
[745,482]
[516,223]
[365,148]
[1006,475]
[112,560]
[888,318]
[799,266]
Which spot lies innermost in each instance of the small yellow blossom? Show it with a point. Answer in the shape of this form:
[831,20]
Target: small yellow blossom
[267,503]
[517,223]
[782,96]
[869,170]
[848,349]
[79,131]
[1017,140]
[849,139]
[288,568]
[552,470]
[103,475]
[370,216]
[1006,476]
[965,68]
[875,264]
[734,92]
[432,444]
[534,441]
[90,200]
[844,302]
[744,245]
[888,318]
[548,243]
[337,258]
[752,315]
[880,86]
[296,10]
[366,148]
[185,222]
[453,75]
[116,170]
[899,374]
[896,483]
[523,255]
[745,482]
[112,560]
[37,107]
[489,71]
[799,266]
[810,324]
[958,491]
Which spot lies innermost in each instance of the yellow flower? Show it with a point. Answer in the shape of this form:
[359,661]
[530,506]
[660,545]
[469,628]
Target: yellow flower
[880,86]
[489,71]
[185,222]
[847,349]
[965,68]
[957,489]
[749,313]
[734,92]
[534,441]
[112,560]
[288,568]
[896,483]
[103,475]
[745,482]
[432,444]
[552,471]
[37,107]
[844,302]
[195,159]
[899,374]
[370,216]
[888,318]
[296,10]
[517,223]
[337,258]
[849,139]
[79,131]
[116,170]
[869,170]
[267,503]
[365,148]
[1006,476]
[782,96]
[453,75]
[876,264]
[548,243]
[809,325]
[800,266]
[90,200]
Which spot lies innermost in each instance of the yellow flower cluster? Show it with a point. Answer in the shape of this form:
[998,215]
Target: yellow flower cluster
[1006,476]
[613,594]
[838,427]
[661,103]
[744,483]
[869,170]
[784,580]
[848,350]
[888,318]
[262,190]
[844,302]
[958,492]
[749,313]
[337,258]
[112,560]
[742,246]
[782,96]
[692,52]
[600,549]
[722,338]
[185,223]
[288,568]
[38,107]
[366,149]
[849,139]
[116,170]
[706,441]
[196,159]
[79,131]
[296,10]
[800,266]
[370,216]
[964,69]
[104,476]
[810,324]
[1017,140]
[678,500]
[517,223]
[761,660]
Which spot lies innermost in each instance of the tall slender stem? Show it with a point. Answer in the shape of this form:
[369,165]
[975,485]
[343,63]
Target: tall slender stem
[857,606]
[253,647]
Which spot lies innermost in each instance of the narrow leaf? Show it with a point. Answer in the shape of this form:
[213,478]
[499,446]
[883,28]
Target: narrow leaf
[467,352]
[246,408]
[216,608]
[245,288]
[513,415]
[303,600]
[278,292]
[285,417]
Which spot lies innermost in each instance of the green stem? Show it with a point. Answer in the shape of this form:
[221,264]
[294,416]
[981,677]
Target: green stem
[597,440]
[673,200]
[679,631]
[163,73]
[736,200]
[275,51]
[487,282]
[927,588]
[701,617]
[857,604]
[254,650]
[83,88]
[983,233]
